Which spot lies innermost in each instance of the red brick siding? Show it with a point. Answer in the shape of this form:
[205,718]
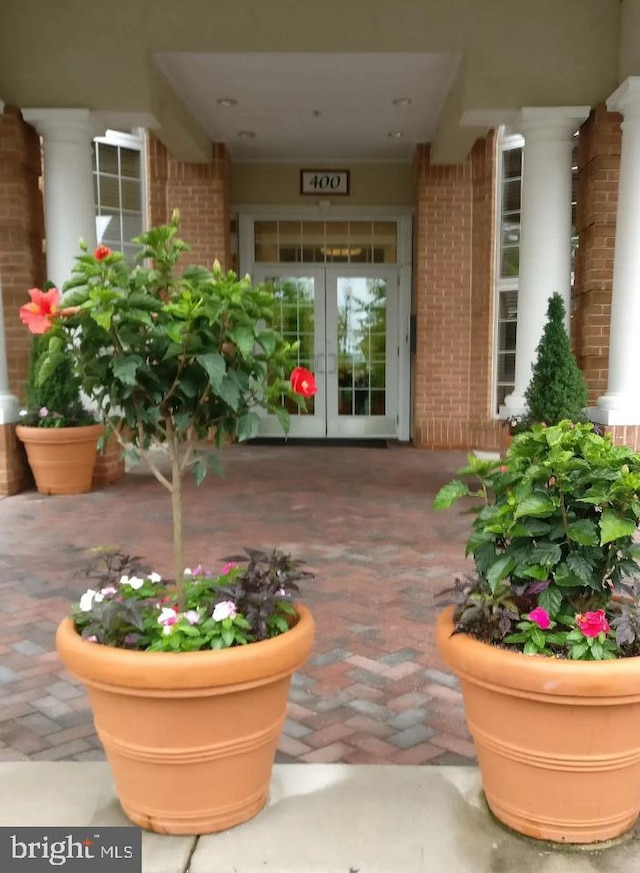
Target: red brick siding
[201,194]
[598,174]
[453,275]
[22,266]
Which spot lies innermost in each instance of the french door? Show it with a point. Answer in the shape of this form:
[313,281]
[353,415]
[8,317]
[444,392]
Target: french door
[345,318]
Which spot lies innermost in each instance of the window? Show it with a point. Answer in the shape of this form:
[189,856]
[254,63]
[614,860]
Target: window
[118,180]
[510,188]
[326,242]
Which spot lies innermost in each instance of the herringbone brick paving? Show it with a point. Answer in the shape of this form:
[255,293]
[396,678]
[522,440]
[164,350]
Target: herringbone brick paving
[374,690]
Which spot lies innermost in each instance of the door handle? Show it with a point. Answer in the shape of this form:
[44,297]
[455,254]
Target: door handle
[320,359]
[334,365]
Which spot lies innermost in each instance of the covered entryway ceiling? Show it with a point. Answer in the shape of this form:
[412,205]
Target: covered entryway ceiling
[321,106]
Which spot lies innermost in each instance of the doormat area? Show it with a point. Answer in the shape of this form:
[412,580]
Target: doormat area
[329,443]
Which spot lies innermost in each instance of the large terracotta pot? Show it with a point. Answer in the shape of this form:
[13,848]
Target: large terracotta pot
[558,741]
[191,737]
[61,458]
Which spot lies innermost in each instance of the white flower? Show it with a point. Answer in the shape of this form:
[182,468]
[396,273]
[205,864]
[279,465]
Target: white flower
[154,577]
[23,412]
[192,616]
[135,582]
[187,572]
[226,609]
[124,580]
[90,597]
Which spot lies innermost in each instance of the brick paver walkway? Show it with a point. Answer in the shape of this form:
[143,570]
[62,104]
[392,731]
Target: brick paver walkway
[374,690]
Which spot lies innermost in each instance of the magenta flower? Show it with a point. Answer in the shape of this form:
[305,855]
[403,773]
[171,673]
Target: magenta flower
[540,617]
[227,568]
[592,624]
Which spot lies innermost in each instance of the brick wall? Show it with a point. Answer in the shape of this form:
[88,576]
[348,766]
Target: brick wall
[22,266]
[453,277]
[599,147]
[200,192]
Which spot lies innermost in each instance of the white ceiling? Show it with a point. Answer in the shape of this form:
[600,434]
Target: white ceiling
[328,107]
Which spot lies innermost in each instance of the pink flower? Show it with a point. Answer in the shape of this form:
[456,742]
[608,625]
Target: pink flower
[38,315]
[192,616]
[92,639]
[592,624]
[43,412]
[109,590]
[225,609]
[227,568]
[540,617]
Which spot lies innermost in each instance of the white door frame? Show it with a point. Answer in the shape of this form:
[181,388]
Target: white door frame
[248,214]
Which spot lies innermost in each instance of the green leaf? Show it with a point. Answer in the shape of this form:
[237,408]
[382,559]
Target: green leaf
[545,553]
[579,651]
[581,565]
[613,527]
[537,571]
[538,637]
[499,570]
[550,599]
[535,504]
[247,425]
[125,369]
[229,391]
[449,493]
[282,414]
[215,366]
[583,532]
[199,471]
[244,339]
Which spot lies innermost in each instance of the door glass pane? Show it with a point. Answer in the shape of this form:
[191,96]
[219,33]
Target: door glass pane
[295,319]
[362,332]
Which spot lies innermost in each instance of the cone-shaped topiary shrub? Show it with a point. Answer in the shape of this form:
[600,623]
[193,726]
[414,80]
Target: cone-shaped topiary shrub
[557,390]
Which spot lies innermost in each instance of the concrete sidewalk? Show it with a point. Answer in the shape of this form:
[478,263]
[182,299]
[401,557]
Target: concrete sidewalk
[321,818]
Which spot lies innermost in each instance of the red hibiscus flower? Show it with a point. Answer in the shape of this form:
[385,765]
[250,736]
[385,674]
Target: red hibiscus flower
[592,624]
[102,252]
[38,315]
[303,382]
[540,617]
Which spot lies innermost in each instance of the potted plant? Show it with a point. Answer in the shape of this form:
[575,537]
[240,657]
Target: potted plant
[188,677]
[60,436]
[557,390]
[546,636]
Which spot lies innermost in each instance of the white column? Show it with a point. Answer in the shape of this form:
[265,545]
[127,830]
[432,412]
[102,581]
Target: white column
[9,406]
[621,403]
[545,236]
[69,210]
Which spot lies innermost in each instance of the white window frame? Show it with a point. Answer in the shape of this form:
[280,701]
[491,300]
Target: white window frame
[135,141]
[504,142]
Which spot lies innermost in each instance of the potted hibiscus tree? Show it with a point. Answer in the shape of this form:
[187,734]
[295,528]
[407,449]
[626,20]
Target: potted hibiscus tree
[60,436]
[545,637]
[187,676]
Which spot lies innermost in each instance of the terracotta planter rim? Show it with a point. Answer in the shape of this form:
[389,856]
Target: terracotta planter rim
[494,666]
[108,665]
[81,433]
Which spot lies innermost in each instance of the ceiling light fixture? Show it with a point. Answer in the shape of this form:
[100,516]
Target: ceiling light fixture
[227,101]
[402,101]
[395,134]
[246,134]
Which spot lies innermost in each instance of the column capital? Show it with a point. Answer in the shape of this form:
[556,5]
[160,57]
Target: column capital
[65,125]
[626,98]
[550,123]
